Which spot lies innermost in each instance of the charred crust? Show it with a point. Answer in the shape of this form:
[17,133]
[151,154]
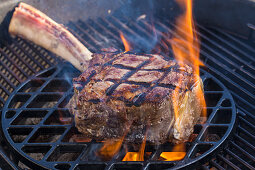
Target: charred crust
[135,92]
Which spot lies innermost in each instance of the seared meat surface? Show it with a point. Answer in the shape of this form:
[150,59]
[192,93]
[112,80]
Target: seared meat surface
[128,94]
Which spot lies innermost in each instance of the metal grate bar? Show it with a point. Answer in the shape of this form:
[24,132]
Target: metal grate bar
[228,80]
[5,90]
[17,79]
[247,122]
[239,159]
[104,23]
[26,53]
[100,37]
[115,38]
[232,46]
[243,151]
[78,33]
[21,73]
[216,165]
[240,66]
[109,26]
[242,101]
[97,23]
[137,27]
[118,25]
[246,132]
[228,162]
[245,113]
[125,27]
[245,45]
[7,80]
[21,58]
[39,55]
[2,101]
[89,46]
[86,35]
[245,142]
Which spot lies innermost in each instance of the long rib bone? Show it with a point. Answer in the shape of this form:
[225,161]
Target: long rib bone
[33,25]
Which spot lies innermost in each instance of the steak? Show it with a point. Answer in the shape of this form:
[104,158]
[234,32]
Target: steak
[132,95]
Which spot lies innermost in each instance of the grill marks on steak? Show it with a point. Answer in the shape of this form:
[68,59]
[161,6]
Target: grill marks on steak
[127,77]
[122,89]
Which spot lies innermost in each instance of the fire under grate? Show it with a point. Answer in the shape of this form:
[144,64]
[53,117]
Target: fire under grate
[39,127]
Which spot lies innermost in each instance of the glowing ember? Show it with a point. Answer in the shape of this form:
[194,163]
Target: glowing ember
[189,42]
[136,156]
[80,138]
[125,42]
[177,154]
[63,119]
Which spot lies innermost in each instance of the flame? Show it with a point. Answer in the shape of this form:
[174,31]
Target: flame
[125,42]
[172,156]
[136,156]
[110,148]
[188,41]
[177,154]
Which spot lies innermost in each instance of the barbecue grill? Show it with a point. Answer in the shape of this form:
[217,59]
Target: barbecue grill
[37,130]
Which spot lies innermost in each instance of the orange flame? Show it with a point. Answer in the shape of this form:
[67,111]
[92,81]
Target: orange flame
[110,148]
[177,154]
[188,41]
[136,156]
[125,42]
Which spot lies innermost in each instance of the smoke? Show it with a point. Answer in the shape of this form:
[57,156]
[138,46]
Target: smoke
[141,17]
[65,11]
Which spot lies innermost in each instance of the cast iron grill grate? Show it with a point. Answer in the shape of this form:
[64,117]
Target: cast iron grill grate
[222,53]
[39,127]
[19,61]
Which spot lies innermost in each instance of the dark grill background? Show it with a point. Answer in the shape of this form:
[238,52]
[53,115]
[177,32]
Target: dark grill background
[227,57]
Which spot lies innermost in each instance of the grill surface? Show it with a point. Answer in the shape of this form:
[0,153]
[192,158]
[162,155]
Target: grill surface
[37,124]
[226,57]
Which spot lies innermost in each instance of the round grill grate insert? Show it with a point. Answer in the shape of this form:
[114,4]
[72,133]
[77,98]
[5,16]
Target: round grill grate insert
[41,131]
